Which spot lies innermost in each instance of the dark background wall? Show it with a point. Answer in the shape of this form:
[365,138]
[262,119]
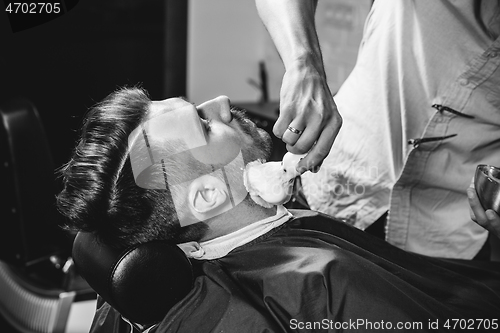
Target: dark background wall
[68,64]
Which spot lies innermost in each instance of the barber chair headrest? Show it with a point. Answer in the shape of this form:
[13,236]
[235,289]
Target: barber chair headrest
[141,282]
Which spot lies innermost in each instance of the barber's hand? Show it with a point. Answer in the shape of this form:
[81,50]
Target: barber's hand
[306,104]
[487,219]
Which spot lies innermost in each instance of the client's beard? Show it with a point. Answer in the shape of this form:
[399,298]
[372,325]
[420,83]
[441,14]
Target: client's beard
[262,147]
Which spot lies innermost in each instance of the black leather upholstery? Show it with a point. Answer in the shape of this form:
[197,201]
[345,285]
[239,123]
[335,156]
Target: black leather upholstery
[141,282]
[37,281]
[30,221]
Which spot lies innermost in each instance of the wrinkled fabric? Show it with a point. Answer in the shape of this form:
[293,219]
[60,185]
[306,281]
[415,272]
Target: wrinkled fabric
[315,269]
[414,56]
[220,246]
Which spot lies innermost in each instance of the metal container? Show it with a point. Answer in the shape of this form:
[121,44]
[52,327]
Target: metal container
[487,184]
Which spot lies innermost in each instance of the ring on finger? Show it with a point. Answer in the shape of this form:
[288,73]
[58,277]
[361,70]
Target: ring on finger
[294,130]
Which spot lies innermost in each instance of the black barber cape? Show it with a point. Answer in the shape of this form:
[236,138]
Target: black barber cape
[316,274]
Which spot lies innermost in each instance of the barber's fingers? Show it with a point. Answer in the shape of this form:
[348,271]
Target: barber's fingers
[316,139]
[487,219]
[494,222]
[477,212]
[282,123]
[321,149]
[302,126]
[294,132]
[305,141]
[296,122]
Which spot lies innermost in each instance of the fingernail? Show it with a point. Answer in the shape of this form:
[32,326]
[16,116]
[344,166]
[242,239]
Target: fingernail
[470,193]
[490,214]
[301,169]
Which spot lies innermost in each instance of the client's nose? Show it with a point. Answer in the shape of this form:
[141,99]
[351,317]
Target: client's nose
[217,108]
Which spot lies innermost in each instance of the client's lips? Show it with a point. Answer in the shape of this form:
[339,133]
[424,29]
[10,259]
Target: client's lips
[271,183]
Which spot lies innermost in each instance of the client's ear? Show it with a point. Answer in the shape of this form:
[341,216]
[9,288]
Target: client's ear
[207,197]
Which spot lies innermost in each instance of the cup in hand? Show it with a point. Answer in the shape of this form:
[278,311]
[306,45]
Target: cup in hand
[487,184]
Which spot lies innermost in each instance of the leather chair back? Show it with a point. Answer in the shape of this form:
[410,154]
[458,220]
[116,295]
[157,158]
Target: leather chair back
[141,282]
[30,228]
[37,284]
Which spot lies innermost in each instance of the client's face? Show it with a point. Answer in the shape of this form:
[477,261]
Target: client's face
[199,153]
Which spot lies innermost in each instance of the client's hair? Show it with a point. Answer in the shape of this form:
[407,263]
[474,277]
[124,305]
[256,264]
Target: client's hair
[100,194]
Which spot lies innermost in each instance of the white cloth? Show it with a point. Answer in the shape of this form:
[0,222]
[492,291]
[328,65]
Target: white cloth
[415,54]
[220,246]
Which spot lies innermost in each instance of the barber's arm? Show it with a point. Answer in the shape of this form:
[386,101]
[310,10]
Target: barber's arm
[306,102]
[487,219]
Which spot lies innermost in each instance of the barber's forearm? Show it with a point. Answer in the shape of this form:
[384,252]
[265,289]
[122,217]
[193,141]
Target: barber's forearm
[306,101]
[291,26]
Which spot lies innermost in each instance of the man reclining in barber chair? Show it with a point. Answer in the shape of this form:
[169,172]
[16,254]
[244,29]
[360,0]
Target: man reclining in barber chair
[167,170]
